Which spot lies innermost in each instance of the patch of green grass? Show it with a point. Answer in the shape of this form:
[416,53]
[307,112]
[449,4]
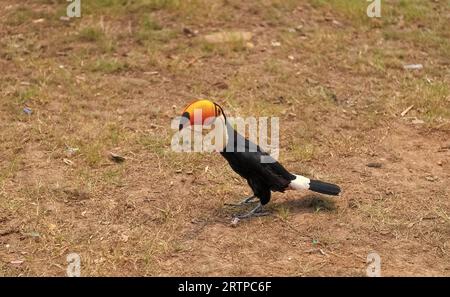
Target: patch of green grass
[24,96]
[377,60]
[114,176]
[150,24]
[438,42]
[20,16]
[351,9]
[109,7]
[171,5]
[431,98]
[225,49]
[301,152]
[284,5]
[10,169]
[322,204]
[153,33]
[414,10]
[355,11]
[155,58]
[91,34]
[380,213]
[92,153]
[283,212]
[273,66]
[320,95]
[158,145]
[108,46]
[183,8]
[97,36]
[114,134]
[109,65]
[274,11]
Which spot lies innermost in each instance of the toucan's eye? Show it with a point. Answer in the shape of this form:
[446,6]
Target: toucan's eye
[185,117]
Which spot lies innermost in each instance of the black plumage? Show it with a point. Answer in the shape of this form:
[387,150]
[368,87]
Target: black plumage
[244,158]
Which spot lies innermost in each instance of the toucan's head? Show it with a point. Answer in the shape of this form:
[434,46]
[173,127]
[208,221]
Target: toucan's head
[200,112]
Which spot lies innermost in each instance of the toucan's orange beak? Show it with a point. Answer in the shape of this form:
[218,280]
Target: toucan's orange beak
[198,112]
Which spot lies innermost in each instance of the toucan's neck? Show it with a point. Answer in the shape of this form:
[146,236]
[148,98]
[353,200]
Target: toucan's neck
[232,138]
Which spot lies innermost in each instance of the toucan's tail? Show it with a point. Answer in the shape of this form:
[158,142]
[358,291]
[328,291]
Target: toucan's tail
[304,183]
[323,187]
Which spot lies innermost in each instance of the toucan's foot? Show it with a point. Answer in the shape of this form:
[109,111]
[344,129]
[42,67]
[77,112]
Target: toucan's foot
[248,200]
[256,212]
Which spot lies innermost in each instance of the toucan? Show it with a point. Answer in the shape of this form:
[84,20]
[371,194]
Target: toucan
[245,158]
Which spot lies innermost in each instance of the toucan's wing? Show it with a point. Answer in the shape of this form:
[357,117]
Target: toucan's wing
[261,165]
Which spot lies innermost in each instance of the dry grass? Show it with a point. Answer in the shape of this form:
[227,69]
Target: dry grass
[112,80]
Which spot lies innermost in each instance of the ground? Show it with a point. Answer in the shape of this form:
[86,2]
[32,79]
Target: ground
[74,90]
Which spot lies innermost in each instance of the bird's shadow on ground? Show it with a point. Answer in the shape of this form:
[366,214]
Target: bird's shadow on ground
[308,203]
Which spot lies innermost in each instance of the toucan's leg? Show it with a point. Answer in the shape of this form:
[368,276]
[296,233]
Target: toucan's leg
[243,202]
[250,199]
[255,212]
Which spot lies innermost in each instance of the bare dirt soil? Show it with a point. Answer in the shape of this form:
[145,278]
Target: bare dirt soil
[112,80]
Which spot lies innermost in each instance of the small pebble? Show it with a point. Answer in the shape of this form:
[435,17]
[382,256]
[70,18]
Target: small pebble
[27,110]
[234,222]
[116,158]
[276,44]
[374,165]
